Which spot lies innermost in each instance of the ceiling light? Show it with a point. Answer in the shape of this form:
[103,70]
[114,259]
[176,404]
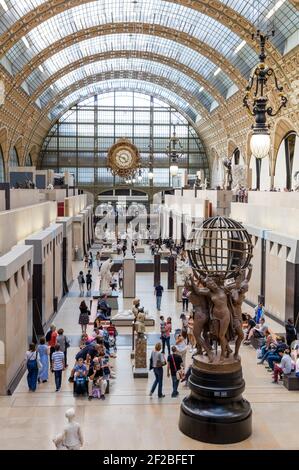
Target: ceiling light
[174,169]
[240,46]
[41,68]
[217,71]
[201,89]
[274,9]
[25,41]
[3,4]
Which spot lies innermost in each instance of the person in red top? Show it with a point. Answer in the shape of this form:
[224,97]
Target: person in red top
[51,337]
[166,336]
[112,330]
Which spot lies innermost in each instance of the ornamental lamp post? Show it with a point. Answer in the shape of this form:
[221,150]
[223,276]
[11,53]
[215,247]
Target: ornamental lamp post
[256,101]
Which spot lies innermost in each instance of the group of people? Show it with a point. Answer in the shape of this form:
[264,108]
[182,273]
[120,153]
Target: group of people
[49,355]
[82,280]
[274,350]
[92,370]
[177,354]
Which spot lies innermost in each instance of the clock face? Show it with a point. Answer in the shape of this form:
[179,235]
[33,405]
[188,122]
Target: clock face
[124,158]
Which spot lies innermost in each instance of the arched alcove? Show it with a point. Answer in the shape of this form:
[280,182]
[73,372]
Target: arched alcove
[13,158]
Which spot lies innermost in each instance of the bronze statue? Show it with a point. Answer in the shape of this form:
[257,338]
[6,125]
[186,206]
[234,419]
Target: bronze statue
[201,317]
[237,293]
[218,311]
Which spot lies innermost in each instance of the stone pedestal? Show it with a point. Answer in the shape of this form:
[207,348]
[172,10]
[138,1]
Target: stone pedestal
[129,281]
[179,290]
[157,270]
[215,411]
[171,269]
[140,369]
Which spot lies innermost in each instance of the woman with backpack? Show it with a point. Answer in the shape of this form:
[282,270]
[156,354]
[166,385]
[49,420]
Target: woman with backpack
[81,282]
[84,316]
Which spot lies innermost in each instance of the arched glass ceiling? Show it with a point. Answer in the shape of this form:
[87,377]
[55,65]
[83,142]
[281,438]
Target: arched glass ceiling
[255,11]
[134,64]
[159,12]
[126,84]
[128,42]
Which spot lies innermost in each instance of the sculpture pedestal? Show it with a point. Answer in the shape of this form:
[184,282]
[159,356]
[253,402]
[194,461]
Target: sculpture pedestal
[129,281]
[140,369]
[215,411]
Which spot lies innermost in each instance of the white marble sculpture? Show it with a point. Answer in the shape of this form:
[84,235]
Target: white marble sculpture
[182,271]
[106,276]
[71,437]
[239,175]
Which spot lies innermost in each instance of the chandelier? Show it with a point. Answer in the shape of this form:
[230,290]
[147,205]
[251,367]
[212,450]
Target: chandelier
[174,152]
[256,101]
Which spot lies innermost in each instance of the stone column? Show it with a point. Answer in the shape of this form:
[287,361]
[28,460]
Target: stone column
[157,269]
[171,270]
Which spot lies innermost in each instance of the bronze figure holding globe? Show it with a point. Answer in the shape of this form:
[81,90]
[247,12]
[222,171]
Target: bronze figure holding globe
[220,253]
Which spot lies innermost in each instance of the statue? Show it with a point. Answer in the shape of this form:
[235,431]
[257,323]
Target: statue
[219,316]
[220,252]
[227,162]
[182,271]
[237,293]
[140,322]
[106,276]
[71,438]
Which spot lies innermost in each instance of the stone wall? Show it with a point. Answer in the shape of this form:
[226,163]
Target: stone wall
[17,224]
[15,318]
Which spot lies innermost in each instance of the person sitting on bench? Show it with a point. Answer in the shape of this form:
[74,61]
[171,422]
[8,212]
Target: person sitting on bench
[104,310]
[284,367]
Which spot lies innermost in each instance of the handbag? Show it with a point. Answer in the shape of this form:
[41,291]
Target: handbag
[160,363]
[151,363]
[67,343]
[178,373]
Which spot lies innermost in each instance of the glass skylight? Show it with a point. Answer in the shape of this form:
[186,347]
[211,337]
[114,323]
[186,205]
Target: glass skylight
[164,13]
[138,65]
[285,18]
[128,42]
[127,84]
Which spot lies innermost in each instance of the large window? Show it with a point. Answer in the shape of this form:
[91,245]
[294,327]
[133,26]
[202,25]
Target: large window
[2,168]
[13,158]
[28,160]
[81,138]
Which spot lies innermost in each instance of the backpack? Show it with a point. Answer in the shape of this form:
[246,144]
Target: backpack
[48,336]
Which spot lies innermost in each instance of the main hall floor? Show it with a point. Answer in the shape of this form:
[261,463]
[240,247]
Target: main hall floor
[129,418]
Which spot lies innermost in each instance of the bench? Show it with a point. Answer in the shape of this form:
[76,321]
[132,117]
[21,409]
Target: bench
[291,382]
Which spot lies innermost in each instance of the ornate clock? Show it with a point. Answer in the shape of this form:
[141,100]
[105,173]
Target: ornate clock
[123,158]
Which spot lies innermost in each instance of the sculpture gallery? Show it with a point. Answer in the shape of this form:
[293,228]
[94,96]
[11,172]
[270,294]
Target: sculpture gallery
[220,253]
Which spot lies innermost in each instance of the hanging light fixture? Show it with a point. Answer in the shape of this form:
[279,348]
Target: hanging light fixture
[150,172]
[139,177]
[256,101]
[174,152]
